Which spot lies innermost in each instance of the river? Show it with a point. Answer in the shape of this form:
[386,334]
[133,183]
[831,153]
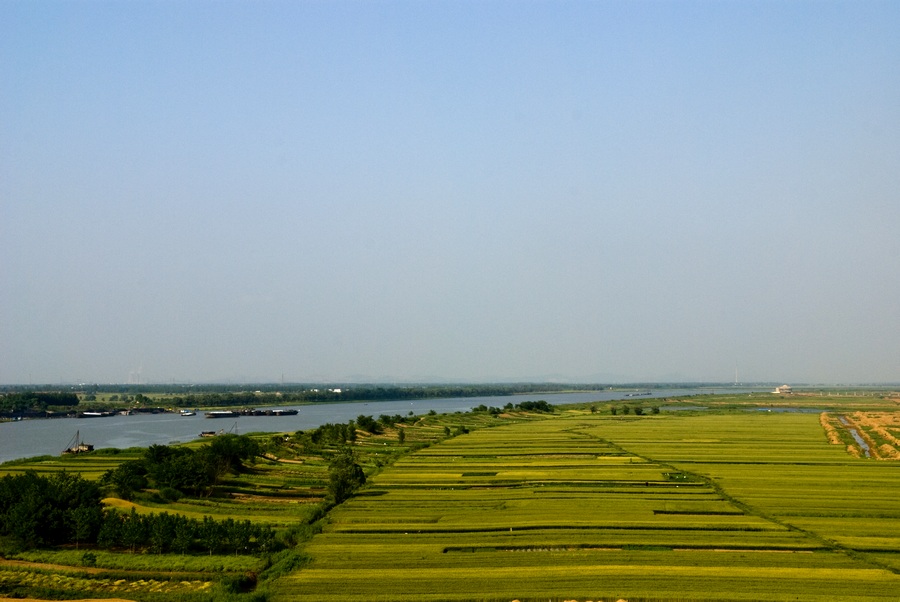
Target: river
[28,438]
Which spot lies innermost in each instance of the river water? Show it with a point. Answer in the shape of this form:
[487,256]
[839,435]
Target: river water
[28,438]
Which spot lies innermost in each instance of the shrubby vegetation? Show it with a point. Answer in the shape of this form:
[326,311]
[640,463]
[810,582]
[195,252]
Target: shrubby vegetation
[182,469]
[345,475]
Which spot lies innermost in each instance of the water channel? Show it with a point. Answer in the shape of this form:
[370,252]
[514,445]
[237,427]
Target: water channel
[859,440]
[28,438]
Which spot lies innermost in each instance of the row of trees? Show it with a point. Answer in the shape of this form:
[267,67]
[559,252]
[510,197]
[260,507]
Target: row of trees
[525,406]
[331,435]
[163,532]
[638,410]
[38,511]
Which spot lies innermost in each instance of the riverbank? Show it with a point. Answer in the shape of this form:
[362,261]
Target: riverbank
[28,438]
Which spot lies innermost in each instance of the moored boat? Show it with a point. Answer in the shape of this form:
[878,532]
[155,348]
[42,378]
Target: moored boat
[222,414]
[77,446]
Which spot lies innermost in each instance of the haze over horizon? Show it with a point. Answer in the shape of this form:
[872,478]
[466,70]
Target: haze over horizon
[449,191]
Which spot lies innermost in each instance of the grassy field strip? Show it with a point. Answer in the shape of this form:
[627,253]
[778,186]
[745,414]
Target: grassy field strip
[590,582]
[561,523]
[849,502]
[112,561]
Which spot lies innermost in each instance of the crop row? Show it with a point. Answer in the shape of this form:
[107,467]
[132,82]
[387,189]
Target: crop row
[717,506]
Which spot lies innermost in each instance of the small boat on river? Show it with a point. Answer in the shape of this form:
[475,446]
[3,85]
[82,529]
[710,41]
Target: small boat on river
[77,446]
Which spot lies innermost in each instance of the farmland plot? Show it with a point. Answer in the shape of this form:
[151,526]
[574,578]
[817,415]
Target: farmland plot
[596,507]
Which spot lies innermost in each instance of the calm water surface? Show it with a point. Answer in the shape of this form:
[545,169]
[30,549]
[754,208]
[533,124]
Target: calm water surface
[27,438]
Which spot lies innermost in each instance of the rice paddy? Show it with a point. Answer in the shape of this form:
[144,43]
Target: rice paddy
[740,501]
[717,506]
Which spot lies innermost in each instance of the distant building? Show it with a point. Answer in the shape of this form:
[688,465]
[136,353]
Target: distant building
[783,389]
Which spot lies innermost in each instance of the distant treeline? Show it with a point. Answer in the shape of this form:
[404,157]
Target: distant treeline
[354,393]
[16,403]
[324,391]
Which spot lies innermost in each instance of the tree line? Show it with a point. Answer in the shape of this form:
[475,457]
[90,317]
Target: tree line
[19,403]
[64,509]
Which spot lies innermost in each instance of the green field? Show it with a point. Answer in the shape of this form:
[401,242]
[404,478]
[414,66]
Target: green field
[721,506]
[727,503]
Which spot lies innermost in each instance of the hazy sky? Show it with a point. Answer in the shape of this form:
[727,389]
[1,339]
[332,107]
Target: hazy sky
[587,191]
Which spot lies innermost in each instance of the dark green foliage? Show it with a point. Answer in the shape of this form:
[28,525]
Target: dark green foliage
[239,584]
[127,478]
[535,406]
[38,511]
[17,403]
[169,494]
[182,469]
[483,409]
[327,435]
[229,452]
[161,533]
[284,563]
[390,421]
[344,475]
[367,423]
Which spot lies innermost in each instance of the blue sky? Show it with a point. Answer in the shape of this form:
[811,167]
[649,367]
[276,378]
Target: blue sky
[412,191]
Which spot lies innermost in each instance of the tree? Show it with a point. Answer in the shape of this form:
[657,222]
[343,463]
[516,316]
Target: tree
[344,475]
[134,530]
[367,423]
[161,532]
[110,535]
[210,533]
[127,478]
[86,521]
[183,535]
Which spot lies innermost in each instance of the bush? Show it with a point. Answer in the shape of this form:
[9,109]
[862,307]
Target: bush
[240,584]
[170,494]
